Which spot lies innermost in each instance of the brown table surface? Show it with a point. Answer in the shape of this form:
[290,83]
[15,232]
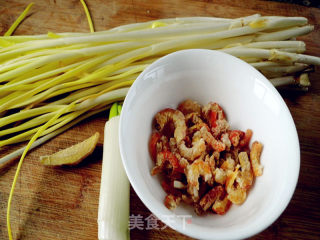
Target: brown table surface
[62,203]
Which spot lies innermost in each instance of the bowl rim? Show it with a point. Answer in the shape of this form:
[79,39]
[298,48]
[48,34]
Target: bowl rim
[154,210]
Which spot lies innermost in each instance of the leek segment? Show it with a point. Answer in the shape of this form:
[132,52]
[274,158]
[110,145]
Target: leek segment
[113,213]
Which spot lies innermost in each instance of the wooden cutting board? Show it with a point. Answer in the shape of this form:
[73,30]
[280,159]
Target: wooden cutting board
[62,203]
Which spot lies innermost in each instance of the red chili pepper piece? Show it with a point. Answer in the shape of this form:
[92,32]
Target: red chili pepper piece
[235,136]
[246,139]
[213,118]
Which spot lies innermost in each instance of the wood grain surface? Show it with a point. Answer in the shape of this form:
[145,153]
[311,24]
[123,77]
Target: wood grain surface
[62,203]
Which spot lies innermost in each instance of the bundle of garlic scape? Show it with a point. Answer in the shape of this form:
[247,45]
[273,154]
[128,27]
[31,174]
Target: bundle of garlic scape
[67,77]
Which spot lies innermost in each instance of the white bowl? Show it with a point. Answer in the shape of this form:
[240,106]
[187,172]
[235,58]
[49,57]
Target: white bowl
[249,100]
